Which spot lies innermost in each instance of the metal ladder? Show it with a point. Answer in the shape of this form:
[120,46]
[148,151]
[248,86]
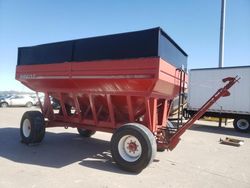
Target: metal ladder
[181,97]
[173,127]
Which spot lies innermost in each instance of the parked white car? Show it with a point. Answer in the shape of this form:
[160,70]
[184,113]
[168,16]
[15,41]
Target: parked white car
[17,100]
[36,101]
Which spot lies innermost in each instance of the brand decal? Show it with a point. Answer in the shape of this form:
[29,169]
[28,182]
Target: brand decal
[27,76]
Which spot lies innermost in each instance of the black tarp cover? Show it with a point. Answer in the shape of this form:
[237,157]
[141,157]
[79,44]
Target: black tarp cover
[146,43]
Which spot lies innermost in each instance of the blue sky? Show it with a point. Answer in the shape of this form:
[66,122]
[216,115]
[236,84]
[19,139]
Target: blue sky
[193,24]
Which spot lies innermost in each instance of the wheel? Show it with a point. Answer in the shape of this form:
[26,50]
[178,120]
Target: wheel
[242,124]
[85,132]
[29,104]
[32,128]
[4,105]
[133,147]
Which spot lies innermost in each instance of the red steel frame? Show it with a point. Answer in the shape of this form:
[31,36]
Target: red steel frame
[107,94]
[77,120]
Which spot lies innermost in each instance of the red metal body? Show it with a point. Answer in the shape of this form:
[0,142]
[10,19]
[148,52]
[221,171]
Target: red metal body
[104,95]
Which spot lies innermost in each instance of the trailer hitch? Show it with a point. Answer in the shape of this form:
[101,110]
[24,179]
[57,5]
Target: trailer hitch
[222,92]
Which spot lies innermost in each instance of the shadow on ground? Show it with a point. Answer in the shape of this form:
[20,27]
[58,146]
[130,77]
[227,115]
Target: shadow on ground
[219,130]
[57,150]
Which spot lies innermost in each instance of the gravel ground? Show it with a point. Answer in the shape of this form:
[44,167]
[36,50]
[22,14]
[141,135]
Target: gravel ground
[64,159]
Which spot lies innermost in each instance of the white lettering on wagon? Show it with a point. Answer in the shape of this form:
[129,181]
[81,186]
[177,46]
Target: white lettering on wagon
[27,76]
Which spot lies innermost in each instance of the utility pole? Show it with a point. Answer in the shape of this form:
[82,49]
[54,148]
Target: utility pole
[222,31]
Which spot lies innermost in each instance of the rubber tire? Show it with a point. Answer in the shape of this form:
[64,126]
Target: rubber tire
[37,127]
[29,104]
[85,132]
[147,141]
[235,124]
[4,105]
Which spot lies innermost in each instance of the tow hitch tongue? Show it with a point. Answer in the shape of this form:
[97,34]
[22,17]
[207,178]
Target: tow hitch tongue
[222,92]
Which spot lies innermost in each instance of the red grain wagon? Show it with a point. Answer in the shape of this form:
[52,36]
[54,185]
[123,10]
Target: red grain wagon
[123,84]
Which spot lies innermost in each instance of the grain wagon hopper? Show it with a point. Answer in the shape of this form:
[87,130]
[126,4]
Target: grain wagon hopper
[123,84]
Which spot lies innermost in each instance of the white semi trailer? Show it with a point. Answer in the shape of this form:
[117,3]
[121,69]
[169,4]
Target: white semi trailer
[204,82]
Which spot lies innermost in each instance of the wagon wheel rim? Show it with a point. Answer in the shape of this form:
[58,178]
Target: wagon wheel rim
[26,128]
[129,148]
[243,124]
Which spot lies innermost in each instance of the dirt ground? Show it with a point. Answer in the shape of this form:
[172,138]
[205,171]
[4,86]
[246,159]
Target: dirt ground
[64,159]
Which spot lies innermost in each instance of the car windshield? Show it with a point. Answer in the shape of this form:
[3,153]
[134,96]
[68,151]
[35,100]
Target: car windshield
[5,97]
